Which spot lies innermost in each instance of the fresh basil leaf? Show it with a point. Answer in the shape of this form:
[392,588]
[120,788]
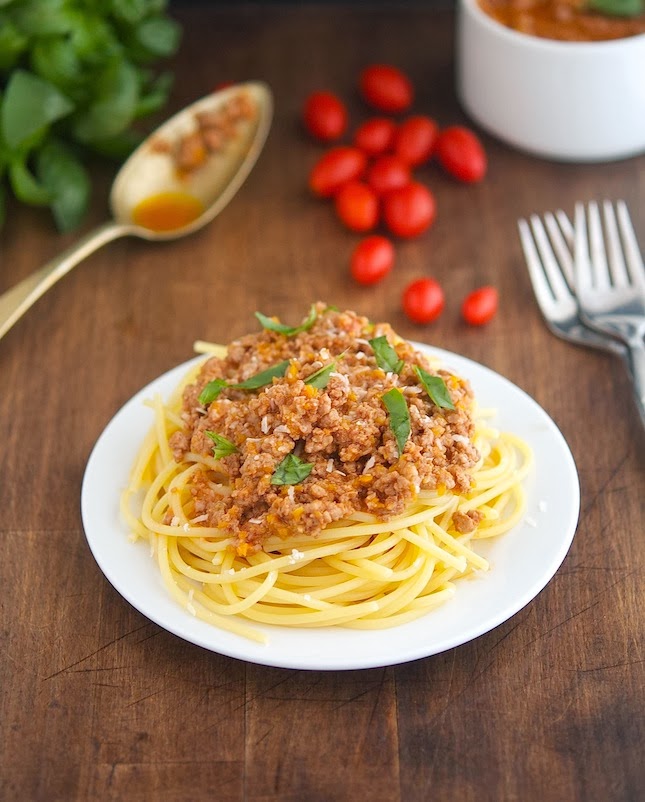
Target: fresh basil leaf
[397,407]
[159,35]
[215,387]
[435,387]
[618,8]
[30,105]
[117,94]
[12,42]
[67,181]
[55,61]
[92,38]
[222,447]
[129,11]
[120,146]
[386,357]
[3,205]
[289,331]
[320,378]
[155,95]
[263,378]
[211,391]
[25,187]
[43,17]
[291,471]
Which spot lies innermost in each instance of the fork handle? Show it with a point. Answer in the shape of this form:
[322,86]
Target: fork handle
[637,363]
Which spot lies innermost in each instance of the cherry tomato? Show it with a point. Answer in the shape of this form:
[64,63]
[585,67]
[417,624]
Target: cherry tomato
[409,211]
[461,154]
[388,173]
[357,206]
[480,306]
[386,88]
[335,168]
[423,300]
[324,116]
[375,136]
[372,259]
[415,140]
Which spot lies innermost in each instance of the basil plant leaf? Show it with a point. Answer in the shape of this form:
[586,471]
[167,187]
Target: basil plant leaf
[129,11]
[435,387]
[291,471]
[55,61]
[397,408]
[221,446]
[117,95]
[3,205]
[386,357]
[12,42]
[282,328]
[30,105]
[25,187]
[159,36]
[67,181]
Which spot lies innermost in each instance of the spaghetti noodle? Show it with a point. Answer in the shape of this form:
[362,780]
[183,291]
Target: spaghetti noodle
[383,559]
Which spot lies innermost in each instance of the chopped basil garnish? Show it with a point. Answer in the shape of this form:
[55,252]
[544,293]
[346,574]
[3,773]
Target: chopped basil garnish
[288,331]
[211,391]
[320,378]
[618,8]
[435,387]
[222,447]
[215,387]
[291,471]
[386,357]
[263,378]
[399,416]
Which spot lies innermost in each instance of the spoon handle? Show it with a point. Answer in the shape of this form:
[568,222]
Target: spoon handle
[17,300]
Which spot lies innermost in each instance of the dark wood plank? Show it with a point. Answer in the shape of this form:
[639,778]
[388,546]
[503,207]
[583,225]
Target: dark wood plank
[98,702]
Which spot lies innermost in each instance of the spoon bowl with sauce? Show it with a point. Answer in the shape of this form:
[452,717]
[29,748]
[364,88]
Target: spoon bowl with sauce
[175,182]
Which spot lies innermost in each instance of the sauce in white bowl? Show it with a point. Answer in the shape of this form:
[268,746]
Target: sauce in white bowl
[567,101]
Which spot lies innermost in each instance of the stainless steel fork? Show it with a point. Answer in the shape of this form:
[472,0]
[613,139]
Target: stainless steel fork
[610,281]
[548,250]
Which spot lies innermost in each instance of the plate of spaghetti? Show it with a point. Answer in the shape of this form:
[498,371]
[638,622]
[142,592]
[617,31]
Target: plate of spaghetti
[329,496]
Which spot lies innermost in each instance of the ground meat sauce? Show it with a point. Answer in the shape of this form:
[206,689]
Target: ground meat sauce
[567,20]
[343,430]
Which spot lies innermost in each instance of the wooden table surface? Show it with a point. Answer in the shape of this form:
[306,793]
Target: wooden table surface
[98,702]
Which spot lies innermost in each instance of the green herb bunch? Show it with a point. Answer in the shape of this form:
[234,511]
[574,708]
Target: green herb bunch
[75,77]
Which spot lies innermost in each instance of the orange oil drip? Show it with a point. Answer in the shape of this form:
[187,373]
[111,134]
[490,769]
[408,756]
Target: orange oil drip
[167,211]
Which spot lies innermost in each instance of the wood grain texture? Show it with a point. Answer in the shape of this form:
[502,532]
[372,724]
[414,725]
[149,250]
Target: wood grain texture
[98,703]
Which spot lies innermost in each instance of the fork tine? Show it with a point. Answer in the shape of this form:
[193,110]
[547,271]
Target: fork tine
[541,288]
[565,227]
[559,238]
[617,267]
[635,266]
[599,269]
[581,250]
[558,286]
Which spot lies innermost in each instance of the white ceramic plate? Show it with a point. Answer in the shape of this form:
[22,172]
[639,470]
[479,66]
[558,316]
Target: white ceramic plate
[522,561]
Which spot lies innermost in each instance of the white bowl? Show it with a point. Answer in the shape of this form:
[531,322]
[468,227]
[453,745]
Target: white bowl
[568,101]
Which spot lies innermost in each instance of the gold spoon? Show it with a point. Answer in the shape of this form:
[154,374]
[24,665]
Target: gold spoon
[151,176]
